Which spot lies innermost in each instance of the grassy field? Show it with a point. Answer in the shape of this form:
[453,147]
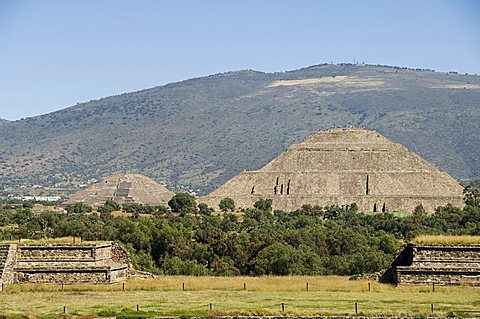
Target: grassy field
[164,296]
[45,241]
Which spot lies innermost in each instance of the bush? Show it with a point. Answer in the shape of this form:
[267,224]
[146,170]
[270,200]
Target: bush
[227,204]
[174,266]
[183,203]
[264,204]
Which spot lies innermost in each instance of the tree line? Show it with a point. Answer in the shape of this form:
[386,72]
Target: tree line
[191,239]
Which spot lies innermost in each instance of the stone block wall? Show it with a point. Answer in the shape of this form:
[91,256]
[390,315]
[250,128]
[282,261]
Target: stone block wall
[56,263]
[436,264]
[66,276]
[103,251]
[452,276]
[44,253]
[119,274]
[469,254]
[7,263]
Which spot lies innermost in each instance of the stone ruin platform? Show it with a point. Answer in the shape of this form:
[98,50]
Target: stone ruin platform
[435,264]
[105,262]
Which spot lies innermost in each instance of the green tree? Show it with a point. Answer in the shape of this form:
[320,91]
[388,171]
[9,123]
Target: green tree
[227,204]
[79,208]
[203,209]
[28,204]
[283,259]
[264,204]
[183,203]
[176,266]
[109,207]
[472,194]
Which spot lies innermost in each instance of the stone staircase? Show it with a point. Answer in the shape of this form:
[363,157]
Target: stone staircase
[435,264]
[7,261]
[3,257]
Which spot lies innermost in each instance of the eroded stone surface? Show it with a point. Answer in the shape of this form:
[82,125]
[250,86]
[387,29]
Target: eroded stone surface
[58,263]
[436,264]
[344,166]
[123,188]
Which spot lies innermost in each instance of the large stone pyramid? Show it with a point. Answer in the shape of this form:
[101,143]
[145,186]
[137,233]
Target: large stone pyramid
[344,166]
[123,188]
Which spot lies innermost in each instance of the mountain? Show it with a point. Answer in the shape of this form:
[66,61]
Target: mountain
[200,132]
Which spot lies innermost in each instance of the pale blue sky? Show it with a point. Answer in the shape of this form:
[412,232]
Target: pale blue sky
[56,53]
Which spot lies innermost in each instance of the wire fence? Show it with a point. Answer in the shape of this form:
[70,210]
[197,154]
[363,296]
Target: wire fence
[158,285]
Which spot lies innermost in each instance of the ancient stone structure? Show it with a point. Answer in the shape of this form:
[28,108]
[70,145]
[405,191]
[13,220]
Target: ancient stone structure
[123,188]
[344,166]
[7,262]
[60,263]
[436,264]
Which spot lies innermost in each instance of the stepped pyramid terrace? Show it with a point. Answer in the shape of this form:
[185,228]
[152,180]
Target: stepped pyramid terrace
[344,166]
[443,264]
[104,262]
[123,188]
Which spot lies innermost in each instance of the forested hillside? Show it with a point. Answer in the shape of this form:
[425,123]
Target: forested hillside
[200,132]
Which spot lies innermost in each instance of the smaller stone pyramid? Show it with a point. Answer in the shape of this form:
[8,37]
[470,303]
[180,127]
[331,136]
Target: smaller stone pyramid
[123,188]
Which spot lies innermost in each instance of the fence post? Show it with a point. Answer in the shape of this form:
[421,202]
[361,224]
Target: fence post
[210,306]
[62,285]
[307,286]
[64,309]
[356,308]
[283,307]
[369,288]
[433,287]
[244,286]
[123,286]
[431,305]
[137,308]
[183,286]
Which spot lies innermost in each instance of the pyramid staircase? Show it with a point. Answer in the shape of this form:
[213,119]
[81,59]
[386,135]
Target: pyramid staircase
[7,260]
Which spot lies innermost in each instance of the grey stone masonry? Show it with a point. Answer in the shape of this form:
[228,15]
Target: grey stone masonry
[343,166]
[7,262]
[67,264]
[436,264]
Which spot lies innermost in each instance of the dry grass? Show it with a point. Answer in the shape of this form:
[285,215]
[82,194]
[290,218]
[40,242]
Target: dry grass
[452,240]
[44,241]
[164,296]
[119,213]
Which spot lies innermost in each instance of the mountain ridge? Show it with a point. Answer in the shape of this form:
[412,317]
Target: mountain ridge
[200,132]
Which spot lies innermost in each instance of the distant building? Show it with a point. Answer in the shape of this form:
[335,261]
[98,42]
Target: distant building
[40,198]
[123,188]
[343,166]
